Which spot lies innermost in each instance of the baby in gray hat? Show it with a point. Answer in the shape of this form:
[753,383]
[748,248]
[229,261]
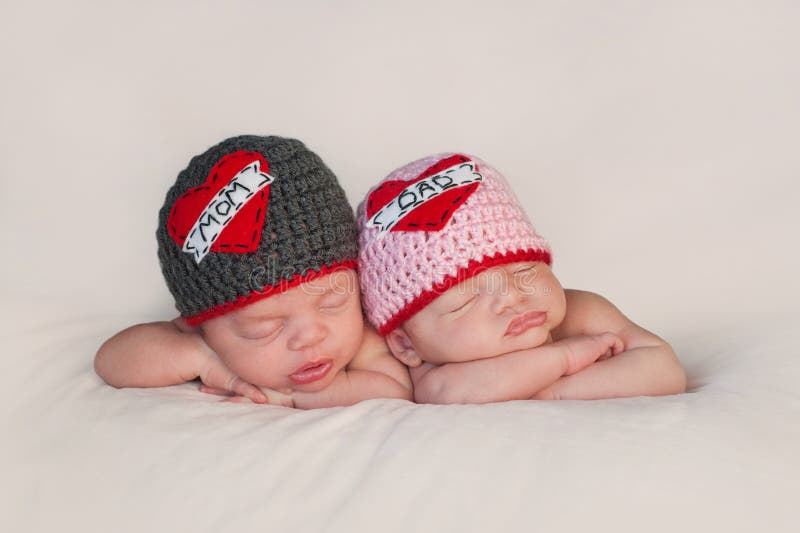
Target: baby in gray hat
[258,245]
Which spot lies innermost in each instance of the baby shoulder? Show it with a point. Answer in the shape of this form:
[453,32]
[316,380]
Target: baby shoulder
[372,350]
[374,355]
[589,313]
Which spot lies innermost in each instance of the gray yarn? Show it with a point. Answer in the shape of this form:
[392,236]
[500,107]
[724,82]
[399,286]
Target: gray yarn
[309,225]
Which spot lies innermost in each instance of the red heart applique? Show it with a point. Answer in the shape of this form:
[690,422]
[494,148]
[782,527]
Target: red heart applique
[433,214]
[243,232]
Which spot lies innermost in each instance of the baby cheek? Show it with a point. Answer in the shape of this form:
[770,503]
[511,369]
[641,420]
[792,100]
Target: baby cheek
[240,361]
[345,335]
[556,306]
[470,338]
[259,365]
[356,332]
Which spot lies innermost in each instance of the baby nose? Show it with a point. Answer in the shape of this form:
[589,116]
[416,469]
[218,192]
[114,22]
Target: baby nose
[508,294]
[307,335]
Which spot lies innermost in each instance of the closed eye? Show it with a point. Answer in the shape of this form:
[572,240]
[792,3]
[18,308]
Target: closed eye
[525,269]
[525,277]
[463,306]
[264,334]
[334,303]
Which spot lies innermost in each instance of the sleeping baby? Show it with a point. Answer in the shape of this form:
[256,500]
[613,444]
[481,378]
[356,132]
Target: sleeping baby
[455,277]
[257,244]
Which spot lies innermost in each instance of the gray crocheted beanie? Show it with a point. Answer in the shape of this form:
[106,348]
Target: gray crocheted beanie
[248,218]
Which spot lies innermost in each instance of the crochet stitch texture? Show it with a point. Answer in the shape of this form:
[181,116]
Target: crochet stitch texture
[401,271]
[308,229]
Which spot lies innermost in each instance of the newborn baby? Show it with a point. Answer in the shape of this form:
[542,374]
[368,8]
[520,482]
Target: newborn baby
[257,244]
[456,278]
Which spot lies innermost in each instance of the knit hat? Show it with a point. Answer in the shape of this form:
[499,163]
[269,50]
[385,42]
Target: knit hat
[431,225]
[248,218]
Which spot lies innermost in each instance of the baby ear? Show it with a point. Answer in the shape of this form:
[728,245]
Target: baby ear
[402,348]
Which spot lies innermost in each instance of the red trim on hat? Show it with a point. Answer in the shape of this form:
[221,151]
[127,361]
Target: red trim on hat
[472,269]
[283,286]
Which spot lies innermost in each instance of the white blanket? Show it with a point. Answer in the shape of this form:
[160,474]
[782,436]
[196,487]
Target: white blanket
[654,144]
[82,456]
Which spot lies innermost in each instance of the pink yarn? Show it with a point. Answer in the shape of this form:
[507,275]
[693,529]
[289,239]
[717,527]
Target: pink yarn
[402,271]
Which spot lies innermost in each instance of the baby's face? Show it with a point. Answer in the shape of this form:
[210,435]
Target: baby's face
[503,309]
[294,341]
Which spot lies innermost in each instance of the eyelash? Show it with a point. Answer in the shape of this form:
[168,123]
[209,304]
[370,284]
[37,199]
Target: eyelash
[462,306]
[271,334]
[333,306]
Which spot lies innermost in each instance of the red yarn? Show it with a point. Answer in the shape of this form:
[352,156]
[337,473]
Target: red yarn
[472,269]
[281,287]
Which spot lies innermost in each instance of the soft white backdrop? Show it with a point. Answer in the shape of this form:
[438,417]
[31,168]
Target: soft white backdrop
[653,143]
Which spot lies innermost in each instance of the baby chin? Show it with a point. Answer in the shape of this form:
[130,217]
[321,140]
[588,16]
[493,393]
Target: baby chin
[530,338]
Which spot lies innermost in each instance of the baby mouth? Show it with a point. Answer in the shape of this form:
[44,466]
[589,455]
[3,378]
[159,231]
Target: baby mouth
[526,321]
[312,371]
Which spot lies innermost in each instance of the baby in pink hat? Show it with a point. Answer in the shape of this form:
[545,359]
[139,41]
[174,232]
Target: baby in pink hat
[455,277]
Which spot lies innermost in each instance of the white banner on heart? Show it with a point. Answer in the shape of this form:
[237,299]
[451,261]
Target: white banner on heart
[422,191]
[223,207]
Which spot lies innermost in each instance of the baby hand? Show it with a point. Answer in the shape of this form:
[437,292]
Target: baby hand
[273,397]
[278,398]
[583,350]
[218,379]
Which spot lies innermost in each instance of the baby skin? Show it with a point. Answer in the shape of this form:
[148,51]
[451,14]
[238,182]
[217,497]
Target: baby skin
[513,333]
[306,348]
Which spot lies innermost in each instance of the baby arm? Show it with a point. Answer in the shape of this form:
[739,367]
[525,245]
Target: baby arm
[159,354]
[647,367]
[373,373]
[512,376]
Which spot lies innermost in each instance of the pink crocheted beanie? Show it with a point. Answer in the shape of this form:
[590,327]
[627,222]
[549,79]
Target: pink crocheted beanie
[432,224]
